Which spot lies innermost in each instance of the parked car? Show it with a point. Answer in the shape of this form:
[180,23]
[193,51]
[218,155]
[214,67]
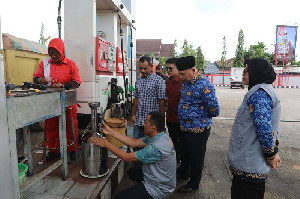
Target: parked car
[236,78]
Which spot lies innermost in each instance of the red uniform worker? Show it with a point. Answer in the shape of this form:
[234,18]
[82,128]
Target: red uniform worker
[59,72]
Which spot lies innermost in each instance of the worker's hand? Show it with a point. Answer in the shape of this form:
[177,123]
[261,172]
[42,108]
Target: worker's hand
[106,129]
[42,81]
[131,122]
[56,85]
[98,141]
[274,161]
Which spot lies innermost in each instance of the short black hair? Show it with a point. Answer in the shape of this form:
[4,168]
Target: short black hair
[157,119]
[148,59]
[171,61]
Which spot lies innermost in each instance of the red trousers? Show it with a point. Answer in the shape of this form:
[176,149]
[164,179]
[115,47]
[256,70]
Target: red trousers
[52,131]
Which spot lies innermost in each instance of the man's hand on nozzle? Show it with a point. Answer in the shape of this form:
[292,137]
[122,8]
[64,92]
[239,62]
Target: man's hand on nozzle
[98,141]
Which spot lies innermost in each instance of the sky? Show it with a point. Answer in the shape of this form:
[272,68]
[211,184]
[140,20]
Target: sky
[203,23]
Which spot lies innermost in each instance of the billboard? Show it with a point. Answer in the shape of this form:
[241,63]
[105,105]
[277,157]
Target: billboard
[286,37]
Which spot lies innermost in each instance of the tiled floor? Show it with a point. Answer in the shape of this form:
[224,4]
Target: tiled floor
[76,186]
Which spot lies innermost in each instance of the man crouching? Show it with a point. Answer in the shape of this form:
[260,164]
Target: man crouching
[158,157]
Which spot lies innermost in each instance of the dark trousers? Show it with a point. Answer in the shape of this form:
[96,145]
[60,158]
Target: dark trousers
[241,189]
[137,191]
[175,134]
[194,148]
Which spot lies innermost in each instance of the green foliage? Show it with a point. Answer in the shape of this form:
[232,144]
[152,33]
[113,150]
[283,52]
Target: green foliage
[199,59]
[43,40]
[223,58]
[162,61]
[239,53]
[258,51]
[175,53]
[187,49]
[152,55]
[295,63]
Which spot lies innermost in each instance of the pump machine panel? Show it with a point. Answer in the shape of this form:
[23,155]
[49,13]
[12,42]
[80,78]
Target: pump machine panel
[119,63]
[105,57]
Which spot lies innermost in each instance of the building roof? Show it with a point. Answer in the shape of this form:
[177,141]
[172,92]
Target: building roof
[211,68]
[12,42]
[229,63]
[148,46]
[154,46]
[167,50]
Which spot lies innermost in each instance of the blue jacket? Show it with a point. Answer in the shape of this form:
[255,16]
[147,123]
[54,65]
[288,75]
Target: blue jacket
[197,105]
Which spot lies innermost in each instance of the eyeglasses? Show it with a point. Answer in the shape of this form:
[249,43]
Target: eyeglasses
[169,68]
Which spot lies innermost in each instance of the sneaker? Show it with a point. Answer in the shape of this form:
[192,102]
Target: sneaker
[186,189]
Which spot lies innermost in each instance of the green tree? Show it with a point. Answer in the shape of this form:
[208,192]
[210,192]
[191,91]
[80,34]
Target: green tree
[162,61]
[223,58]
[187,49]
[239,53]
[175,53]
[199,59]
[258,51]
[152,55]
[43,40]
[295,63]
[224,52]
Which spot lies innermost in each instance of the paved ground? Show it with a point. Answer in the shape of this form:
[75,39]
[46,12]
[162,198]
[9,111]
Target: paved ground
[283,182]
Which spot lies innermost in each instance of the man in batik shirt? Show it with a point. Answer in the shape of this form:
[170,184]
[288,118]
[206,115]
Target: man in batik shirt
[197,105]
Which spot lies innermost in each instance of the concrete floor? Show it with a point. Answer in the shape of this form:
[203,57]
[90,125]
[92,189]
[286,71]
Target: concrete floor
[282,183]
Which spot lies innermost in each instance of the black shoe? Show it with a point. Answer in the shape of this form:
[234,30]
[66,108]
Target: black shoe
[186,189]
[73,155]
[50,156]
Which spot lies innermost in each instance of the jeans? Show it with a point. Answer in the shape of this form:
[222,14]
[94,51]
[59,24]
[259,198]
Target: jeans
[138,132]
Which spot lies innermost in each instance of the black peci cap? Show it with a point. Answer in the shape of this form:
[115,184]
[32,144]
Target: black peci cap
[184,63]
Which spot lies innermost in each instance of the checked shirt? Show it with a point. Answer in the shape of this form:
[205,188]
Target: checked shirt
[149,91]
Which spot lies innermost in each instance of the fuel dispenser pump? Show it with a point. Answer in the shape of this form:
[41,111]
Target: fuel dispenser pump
[94,158]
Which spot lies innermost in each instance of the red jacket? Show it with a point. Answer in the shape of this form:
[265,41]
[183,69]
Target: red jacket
[66,71]
[173,94]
